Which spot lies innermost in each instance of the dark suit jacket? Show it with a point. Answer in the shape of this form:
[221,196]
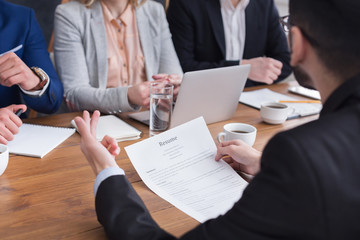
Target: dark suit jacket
[198,34]
[18,25]
[308,186]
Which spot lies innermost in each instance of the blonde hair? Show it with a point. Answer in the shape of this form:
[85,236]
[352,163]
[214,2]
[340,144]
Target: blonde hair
[89,3]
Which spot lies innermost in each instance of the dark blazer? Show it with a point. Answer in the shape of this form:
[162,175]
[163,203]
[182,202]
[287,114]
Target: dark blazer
[308,186]
[18,25]
[198,34]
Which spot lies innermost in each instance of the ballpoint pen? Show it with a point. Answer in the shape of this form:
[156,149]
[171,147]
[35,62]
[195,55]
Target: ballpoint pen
[12,50]
[299,101]
[19,112]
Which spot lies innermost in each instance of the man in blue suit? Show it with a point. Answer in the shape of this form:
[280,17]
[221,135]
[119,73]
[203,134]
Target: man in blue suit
[219,33]
[26,72]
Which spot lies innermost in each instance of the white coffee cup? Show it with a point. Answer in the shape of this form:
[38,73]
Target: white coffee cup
[234,131]
[275,113]
[4,158]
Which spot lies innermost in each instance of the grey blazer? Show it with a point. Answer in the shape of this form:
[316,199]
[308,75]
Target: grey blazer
[80,49]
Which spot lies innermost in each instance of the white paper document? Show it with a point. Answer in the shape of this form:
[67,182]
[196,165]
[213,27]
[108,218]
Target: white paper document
[179,165]
[257,97]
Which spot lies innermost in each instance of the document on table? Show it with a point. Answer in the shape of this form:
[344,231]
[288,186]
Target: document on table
[257,97]
[179,165]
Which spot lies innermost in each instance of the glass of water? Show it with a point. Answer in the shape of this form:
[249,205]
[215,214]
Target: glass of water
[161,98]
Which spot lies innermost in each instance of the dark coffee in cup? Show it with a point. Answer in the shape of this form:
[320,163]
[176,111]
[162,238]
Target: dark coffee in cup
[276,107]
[239,131]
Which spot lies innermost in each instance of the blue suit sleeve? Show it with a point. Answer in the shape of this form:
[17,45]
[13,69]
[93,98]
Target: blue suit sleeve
[36,55]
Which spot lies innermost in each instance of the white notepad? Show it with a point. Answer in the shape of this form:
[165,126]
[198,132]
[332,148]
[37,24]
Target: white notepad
[115,128]
[38,140]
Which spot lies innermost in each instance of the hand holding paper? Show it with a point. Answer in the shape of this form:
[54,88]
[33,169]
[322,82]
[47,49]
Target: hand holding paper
[240,156]
[179,166]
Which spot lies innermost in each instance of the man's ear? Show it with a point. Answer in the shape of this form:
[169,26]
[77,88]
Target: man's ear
[298,46]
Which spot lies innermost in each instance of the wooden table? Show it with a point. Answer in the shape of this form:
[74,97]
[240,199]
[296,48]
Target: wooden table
[52,197]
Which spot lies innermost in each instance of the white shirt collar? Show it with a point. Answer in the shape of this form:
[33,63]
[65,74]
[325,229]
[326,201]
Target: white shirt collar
[227,4]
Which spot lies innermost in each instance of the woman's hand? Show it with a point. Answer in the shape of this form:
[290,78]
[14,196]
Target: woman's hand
[174,79]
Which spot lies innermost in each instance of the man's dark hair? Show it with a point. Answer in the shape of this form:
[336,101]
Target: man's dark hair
[333,28]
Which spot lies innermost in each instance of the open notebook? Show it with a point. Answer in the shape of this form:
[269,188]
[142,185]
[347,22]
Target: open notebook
[116,128]
[38,140]
[257,97]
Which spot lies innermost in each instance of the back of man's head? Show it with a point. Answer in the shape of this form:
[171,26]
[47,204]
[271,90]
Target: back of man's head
[333,29]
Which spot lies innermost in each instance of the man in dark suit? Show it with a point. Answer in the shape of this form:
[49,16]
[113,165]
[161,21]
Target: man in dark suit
[218,33]
[306,183]
[26,72]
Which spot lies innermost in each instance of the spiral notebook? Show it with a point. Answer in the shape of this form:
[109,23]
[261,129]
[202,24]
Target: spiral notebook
[38,140]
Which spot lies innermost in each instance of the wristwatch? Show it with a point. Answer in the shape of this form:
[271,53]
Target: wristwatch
[44,78]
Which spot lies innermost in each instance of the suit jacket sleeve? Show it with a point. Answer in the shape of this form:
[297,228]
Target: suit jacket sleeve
[35,55]
[182,28]
[123,214]
[281,202]
[265,36]
[277,44]
[169,62]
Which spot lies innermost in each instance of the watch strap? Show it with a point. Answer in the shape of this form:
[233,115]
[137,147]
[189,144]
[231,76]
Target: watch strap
[44,78]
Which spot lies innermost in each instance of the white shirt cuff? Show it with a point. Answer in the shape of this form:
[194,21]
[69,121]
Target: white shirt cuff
[106,173]
[37,93]
[247,176]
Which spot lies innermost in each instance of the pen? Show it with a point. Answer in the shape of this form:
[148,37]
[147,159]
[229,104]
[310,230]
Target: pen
[299,101]
[12,50]
[19,112]
[225,157]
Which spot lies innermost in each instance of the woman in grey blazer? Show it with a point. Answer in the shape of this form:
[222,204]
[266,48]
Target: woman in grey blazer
[81,54]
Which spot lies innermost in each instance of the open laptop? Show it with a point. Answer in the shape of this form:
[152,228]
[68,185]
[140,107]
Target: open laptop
[213,94]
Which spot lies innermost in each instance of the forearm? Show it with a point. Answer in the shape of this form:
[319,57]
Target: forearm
[277,43]
[50,100]
[36,55]
[110,100]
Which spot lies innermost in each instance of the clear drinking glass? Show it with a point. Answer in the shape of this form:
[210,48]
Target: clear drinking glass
[161,99]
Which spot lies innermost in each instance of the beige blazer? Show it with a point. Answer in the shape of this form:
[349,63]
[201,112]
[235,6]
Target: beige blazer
[80,49]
